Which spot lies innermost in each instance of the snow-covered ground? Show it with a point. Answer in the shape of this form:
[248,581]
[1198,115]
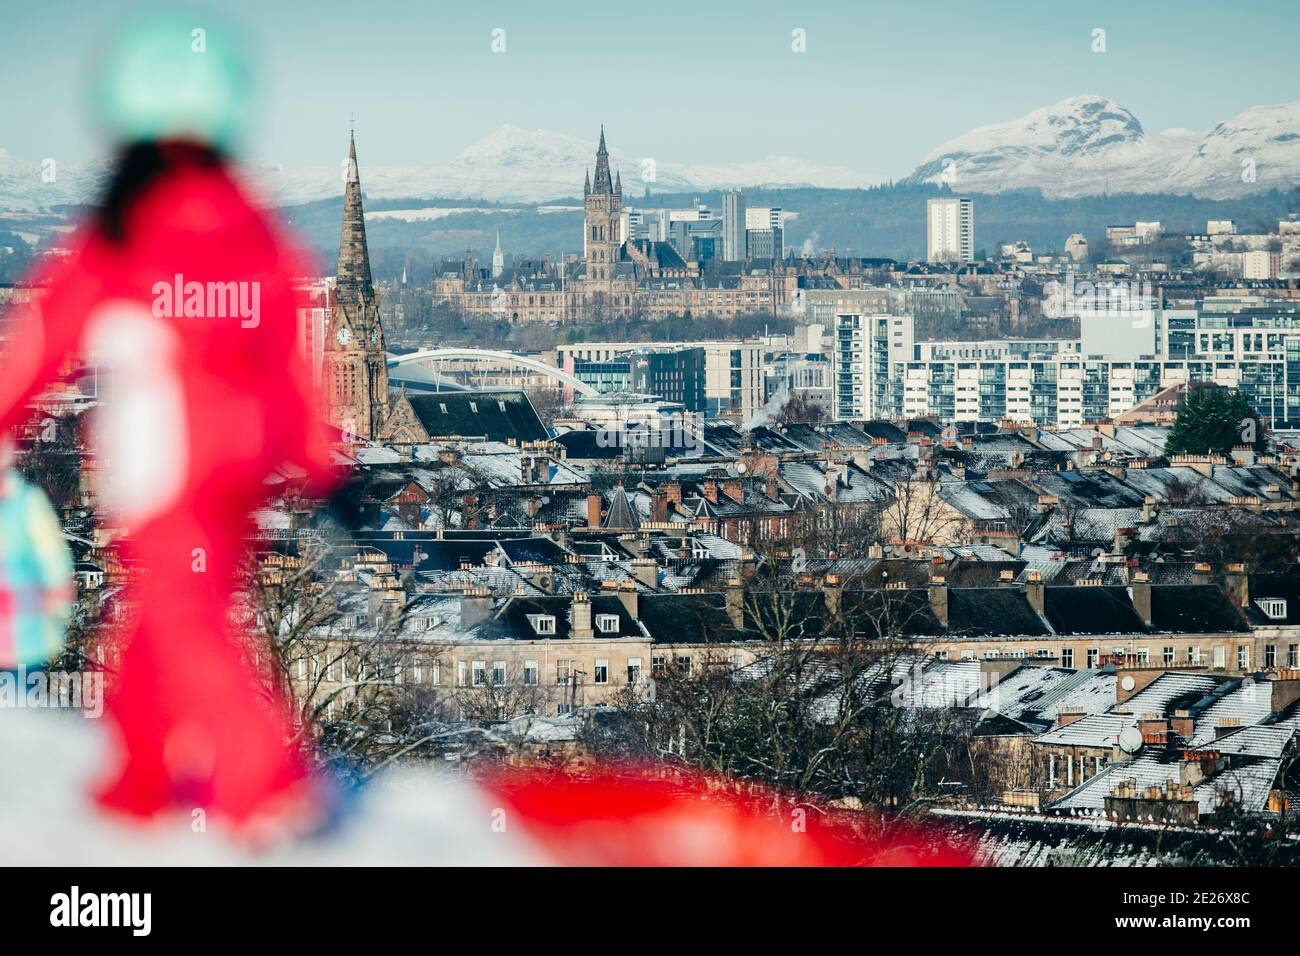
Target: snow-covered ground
[405,817]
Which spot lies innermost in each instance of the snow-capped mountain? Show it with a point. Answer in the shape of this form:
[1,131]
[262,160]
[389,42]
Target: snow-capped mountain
[1088,145]
[518,165]
[1085,145]
[508,165]
[32,185]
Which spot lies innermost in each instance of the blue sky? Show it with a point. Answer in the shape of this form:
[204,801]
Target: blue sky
[880,85]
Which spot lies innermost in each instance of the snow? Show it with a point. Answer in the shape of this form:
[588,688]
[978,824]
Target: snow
[406,817]
[1087,145]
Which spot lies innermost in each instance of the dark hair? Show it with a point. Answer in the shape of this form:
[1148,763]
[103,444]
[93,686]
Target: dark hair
[138,166]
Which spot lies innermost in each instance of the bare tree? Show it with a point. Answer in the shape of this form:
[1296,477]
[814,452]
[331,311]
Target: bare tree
[917,512]
[355,686]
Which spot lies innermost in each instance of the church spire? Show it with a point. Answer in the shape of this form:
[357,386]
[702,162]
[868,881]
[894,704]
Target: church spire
[354,256]
[602,186]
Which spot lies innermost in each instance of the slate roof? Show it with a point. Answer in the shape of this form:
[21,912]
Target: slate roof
[1193,609]
[1174,690]
[1091,610]
[512,621]
[496,416]
[1094,730]
[1251,702]
[1248,779]
[1038,694]
[688,619]
[988,612]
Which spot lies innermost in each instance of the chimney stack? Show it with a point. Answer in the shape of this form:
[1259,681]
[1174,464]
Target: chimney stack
[581,622]
[1141,589]
[735,595]
[594,502]
[832,593]
[631,598]
[1237,584]
[475,606]
[646,571]
[939,598]
[1034,591]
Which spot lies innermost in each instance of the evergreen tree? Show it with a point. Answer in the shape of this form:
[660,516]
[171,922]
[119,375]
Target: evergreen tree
[1212,420]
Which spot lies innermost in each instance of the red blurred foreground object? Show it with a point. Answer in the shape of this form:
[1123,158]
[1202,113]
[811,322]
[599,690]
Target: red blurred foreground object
[634,820]
[204,405]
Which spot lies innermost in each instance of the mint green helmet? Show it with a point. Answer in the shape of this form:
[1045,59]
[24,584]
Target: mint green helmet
[173,77]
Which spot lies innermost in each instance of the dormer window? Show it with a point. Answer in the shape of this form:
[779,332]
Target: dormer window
[1274,608]
[607,623]
[542,623]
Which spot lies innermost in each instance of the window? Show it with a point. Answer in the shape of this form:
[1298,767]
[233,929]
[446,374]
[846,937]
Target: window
[542,623]
[1144,655]
[602,670]
[607,623]
[940,655]
[1092,657]
[1293,655]
[1270,655]
[562,709]
[1067,657]
[1243,657]
[530,673]
[460,673]
[684,664]
[1194,654]
[1167,656]
[658,665]
[479,671]
[1220,657]
[562,671]
[498,672]
[1069,770]
[633,670]
[1273,608]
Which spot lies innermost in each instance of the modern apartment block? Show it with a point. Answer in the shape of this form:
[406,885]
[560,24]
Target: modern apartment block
[733,226]
[733,371]
[871,331]
[950,230]
[1248,343]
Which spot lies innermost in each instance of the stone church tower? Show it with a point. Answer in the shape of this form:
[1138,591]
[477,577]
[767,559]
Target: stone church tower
[604,211]
[356,367]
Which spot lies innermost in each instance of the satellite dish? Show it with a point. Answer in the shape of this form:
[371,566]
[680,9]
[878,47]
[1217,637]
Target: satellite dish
[1130,740]
[1128,682]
